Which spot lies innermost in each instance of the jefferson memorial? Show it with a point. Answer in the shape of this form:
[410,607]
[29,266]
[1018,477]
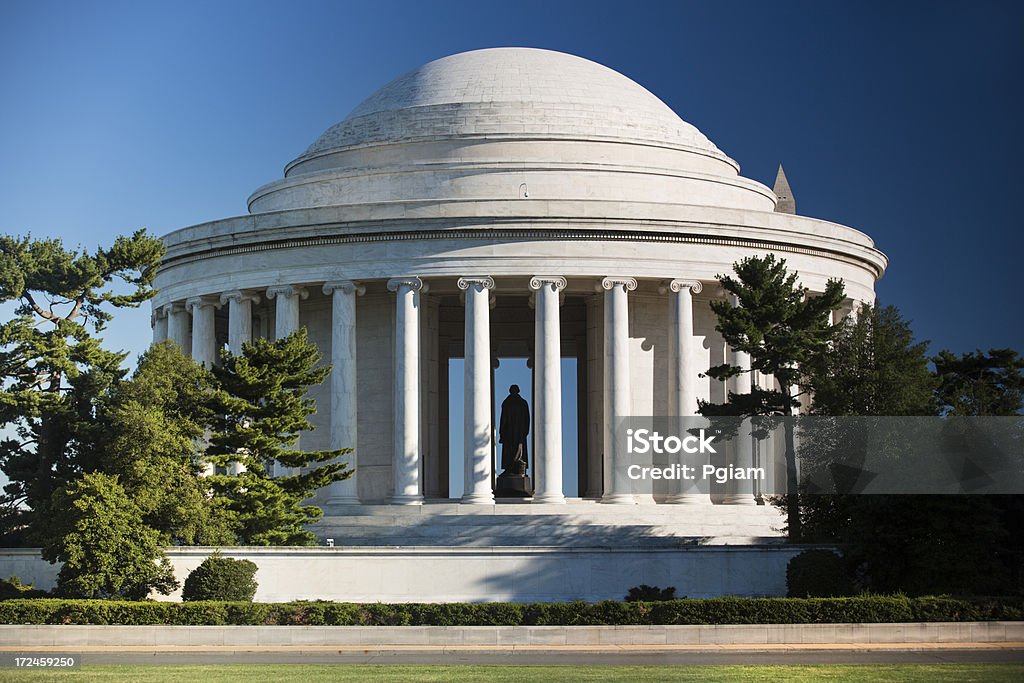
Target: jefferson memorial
[507,203]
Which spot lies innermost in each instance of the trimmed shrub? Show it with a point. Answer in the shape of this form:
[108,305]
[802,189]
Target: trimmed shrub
[14,589]
[645,593]
[863,609]
[817,573]
[221,578]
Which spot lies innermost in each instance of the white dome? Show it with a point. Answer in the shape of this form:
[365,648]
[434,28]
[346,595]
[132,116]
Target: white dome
[511,90]
[509,123]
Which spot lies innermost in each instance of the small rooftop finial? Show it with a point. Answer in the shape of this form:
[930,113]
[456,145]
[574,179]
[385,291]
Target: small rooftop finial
[786,202]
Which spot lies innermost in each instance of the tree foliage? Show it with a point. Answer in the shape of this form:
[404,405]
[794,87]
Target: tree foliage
[876,368]
[153,427]
[53,370]
[786,334]
[914,544]
[259,408]
[106,548]
[980,384]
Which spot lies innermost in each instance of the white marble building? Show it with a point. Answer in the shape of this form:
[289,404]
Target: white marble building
[505,202]
[497,204]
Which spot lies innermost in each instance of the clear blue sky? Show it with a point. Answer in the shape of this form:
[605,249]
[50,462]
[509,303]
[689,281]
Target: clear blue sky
[900,119]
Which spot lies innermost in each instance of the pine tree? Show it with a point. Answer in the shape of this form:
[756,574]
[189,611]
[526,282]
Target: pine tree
[260,407]
[915,544]
[52,370]
[980,384]
[876,368]
[786,334]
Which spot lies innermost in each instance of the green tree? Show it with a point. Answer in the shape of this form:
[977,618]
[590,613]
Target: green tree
[259,408]
[980,384]
[989,384]
[876,368]
[106,549]
[786,334]
[914,544]
[52,370]
[154,425]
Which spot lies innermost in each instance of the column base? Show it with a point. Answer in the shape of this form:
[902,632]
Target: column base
[742,499]
[407,500]
[549,499]
[618,499]
[478,499]
[689,499]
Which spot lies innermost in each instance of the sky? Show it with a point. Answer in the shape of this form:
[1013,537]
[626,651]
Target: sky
[902,120]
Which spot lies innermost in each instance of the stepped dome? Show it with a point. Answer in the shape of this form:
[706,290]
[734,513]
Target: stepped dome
[503,123]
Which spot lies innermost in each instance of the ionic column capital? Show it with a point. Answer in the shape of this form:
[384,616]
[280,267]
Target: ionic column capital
[344,286]
[159,313]
[203,301]
[485,282]
[556,282]
[238,296]
[413,283]
[677,286]
[287,291]
[175,307]
[610,283]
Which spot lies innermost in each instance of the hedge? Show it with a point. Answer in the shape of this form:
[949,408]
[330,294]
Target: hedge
[864,609]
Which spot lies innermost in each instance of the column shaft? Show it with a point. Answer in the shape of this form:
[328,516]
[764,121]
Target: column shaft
[239,318]
[477,392]
[344,422]
[286,309]
[159,325]
[406,464]
[682,378]
[547,394]
[177,326]
[618,488]
[742,492]
[204,333]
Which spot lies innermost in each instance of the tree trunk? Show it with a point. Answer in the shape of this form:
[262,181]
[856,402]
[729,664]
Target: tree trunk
[792,481]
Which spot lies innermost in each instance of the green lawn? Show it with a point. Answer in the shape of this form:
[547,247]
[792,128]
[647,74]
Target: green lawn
[933,673]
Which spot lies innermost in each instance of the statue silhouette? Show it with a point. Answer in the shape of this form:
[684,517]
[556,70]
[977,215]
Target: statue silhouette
[513,433]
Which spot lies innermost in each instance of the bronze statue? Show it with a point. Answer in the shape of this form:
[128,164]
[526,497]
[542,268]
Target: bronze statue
[513,433]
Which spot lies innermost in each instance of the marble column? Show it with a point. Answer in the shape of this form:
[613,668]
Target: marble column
[618,488]
[178,321]
[158,321]
[406,464]
[682,375]
[344,420]
[547,391]
[742,492]
[286,310]
[477,392]
[239,317]
[682,368]
[204,332]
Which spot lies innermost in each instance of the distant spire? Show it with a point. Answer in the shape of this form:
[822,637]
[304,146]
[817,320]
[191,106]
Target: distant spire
[786,202]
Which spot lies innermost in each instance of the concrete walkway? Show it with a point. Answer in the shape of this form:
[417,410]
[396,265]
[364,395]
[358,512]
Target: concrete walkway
[581,655]
[524,645]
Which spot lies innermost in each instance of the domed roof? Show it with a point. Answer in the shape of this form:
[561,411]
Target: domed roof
[513,91]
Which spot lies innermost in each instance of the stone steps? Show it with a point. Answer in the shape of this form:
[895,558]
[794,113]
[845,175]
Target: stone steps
[571,525]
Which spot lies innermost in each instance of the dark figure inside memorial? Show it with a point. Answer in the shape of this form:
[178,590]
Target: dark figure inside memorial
[513,434]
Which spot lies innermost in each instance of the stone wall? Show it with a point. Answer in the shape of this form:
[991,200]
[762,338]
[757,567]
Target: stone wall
[481,574]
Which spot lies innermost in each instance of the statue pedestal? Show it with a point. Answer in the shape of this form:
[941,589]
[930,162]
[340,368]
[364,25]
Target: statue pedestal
[510,485]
